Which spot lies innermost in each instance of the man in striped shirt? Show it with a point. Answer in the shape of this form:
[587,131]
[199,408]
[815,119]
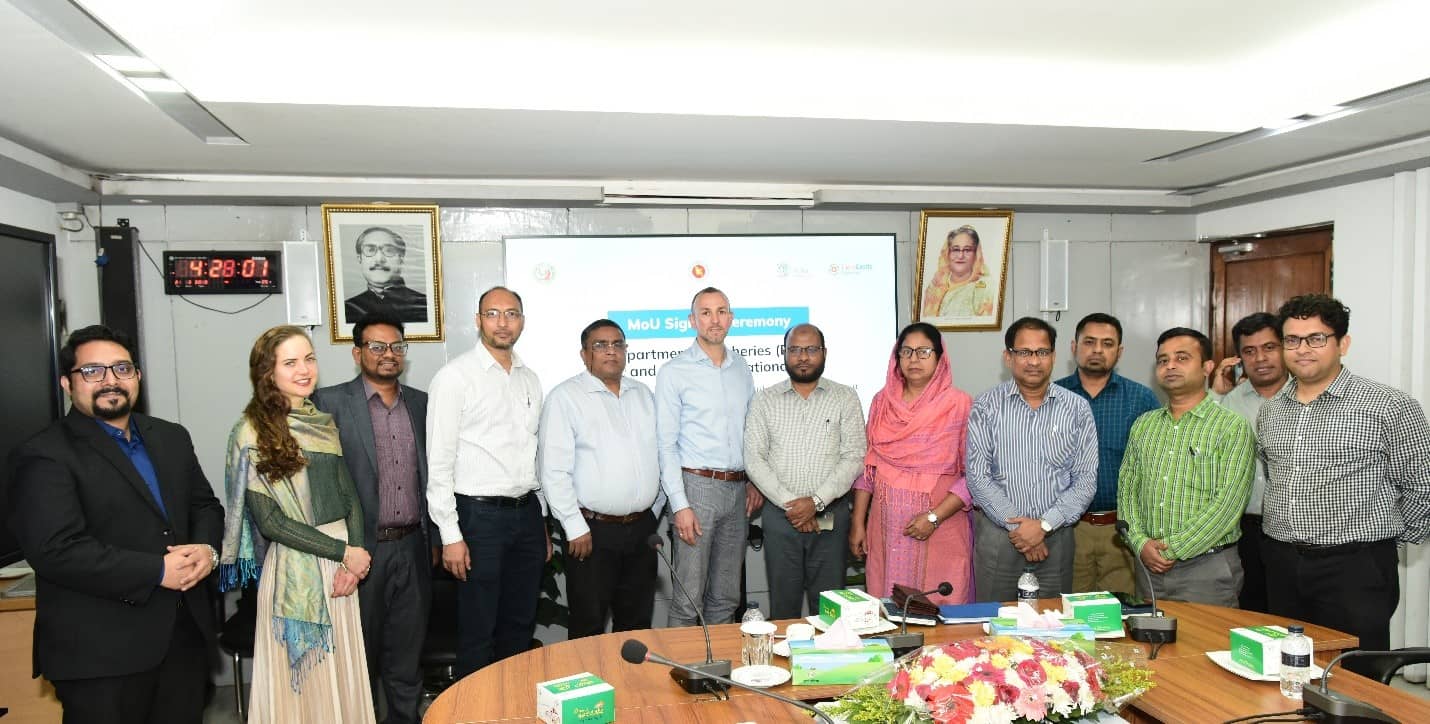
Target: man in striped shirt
[1032,469]
[1185,479]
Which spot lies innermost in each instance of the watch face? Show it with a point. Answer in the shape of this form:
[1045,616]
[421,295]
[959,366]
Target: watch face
[1047,527]
[933,517]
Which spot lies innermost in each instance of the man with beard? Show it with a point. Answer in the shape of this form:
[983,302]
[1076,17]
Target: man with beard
[115,515]
[380,255]
[701,397]
[482,491]
[1185,479]
[1103,562]
[804,447]
[598,468]
[1257,339]
[383,425]
[1032,468]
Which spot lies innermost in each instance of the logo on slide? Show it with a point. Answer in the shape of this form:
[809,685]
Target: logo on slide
[698,271]
[543,272]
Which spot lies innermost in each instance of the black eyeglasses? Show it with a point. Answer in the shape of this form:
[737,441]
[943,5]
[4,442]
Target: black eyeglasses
[603,346]
[810,351]
[922,352]
[96,373]
[380,348]
[1314,341]
[1043,353]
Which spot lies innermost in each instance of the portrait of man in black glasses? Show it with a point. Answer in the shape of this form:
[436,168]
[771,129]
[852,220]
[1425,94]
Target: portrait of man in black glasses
[381,252]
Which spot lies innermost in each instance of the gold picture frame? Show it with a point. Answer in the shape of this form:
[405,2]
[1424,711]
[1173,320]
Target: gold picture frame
[971,300]
[384,257]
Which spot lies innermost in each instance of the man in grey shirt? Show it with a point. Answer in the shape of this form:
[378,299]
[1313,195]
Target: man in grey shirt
[804,446]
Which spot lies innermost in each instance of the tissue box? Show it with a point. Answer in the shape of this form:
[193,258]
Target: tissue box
[1101,610]
[1071,628]
[1258,648]
[857,608]
[583,697]
[809,665]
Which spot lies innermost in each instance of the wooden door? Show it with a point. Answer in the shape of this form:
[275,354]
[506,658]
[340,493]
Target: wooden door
[1278,266]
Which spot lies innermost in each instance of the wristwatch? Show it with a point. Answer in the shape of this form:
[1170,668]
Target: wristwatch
[213,555]
[933,518]
[1045,525]
[818,503]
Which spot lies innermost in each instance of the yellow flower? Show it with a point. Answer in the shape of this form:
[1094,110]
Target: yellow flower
[1056,674]
[943,665]
[1019,646]
[999,661]
[983,694]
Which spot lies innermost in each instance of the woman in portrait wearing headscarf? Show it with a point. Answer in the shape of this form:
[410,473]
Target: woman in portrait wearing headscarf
[960,286]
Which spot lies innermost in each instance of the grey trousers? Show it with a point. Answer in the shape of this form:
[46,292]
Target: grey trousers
[710,569]
[1214,578]
[997,564]
[395,598]
[799,566]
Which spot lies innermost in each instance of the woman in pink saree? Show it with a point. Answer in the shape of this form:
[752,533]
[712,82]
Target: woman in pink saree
[913,493]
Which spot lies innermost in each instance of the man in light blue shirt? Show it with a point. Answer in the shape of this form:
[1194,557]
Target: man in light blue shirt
[597,465]
[701,397]
[1032,469]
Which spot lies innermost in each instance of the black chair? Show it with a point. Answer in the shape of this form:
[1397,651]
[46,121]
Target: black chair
[235,637]
[439,648]
[1384,666]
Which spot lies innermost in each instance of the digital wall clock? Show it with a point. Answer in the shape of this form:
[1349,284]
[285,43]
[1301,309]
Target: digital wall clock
[223,272]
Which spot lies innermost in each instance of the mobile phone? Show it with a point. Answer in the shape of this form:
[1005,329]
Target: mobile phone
[1237,372]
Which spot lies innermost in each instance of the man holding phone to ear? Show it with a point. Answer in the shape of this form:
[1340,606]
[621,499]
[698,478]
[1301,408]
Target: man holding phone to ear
[1241,384]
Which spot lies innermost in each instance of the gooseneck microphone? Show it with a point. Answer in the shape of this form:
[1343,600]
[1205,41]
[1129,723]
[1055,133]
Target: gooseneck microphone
[1156,629]
[693,678]
[903,641]
[636,652]
[1338,707]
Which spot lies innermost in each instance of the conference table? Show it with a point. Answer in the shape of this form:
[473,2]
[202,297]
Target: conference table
[1190,687]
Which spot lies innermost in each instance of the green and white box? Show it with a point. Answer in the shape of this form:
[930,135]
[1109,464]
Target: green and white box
[1099,609]
[857,608]
[1258,648]
[583,698]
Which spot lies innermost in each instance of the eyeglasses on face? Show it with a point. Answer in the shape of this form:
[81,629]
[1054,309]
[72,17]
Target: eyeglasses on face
[380,348]
[810,351]
[1314,341]
[511,315]
[920,352]
[603,346]
[387,250]
[1021,353]
[96,373]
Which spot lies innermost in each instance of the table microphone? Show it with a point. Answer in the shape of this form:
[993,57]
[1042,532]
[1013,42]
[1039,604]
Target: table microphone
[636,652]
[1158,628]
[1338,707]
[903,641]
[693,678]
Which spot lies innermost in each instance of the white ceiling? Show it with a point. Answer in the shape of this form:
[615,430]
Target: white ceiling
[1038,93]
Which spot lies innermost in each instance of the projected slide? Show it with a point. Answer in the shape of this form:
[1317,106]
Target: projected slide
[842,283]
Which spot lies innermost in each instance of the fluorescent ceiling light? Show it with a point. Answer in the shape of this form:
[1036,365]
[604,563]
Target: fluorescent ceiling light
[1281,123]
[129,63]
[151,84]
[1329,111]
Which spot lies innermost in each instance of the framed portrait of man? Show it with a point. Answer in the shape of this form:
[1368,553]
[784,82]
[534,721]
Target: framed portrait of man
[384,257]
[962,269]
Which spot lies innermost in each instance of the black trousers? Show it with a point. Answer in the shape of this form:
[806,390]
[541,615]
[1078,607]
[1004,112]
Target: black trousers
[496,606]
[1253,586]
[617,580]
[395,599]
[1354,591]
[171,693]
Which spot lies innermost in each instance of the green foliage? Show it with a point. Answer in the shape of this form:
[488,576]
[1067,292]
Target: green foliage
[550,611]
[870,705]
[1124,677]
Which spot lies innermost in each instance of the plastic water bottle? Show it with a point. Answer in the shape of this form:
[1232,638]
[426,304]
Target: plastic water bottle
[752,612]
[1028,586]
[1295,662]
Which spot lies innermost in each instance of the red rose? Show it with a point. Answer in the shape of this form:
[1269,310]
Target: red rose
[1007,693]
[1071,687]
[1031,671]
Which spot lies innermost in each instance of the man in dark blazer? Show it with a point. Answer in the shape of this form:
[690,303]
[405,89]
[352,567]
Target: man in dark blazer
[383,427]
[120,524]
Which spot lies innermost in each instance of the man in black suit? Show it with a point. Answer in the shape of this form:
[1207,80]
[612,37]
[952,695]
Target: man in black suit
[120,524]
[383,427]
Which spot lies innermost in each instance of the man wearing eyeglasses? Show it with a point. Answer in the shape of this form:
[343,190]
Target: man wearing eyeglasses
[482,489]
[382,424]
[1032,469]
[380,255]
[598,468]
[1348,479]
[116,517]
[804,447]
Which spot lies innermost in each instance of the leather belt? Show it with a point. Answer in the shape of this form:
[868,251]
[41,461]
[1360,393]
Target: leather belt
[389,534]
[733,476]
[1105,518]
[502,501]
[1315,551]
[1210,551]
[617,519]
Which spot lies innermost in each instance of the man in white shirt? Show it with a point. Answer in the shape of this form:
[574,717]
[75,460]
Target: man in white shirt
[482,492]
[598,469]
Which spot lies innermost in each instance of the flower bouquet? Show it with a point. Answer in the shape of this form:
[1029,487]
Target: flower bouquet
[1000,680]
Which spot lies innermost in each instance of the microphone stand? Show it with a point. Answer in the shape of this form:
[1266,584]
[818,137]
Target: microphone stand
[1156,629]
[1339,707]
[693,678]
[636,652]
[903,642]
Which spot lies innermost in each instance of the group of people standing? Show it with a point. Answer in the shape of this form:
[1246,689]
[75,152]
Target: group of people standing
[1273,491]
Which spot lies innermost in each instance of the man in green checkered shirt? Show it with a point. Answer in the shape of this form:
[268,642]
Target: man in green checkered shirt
[1185,480]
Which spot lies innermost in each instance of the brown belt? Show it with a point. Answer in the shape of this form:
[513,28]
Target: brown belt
[733,476]
[1107,518]
[387,535]
[617,519]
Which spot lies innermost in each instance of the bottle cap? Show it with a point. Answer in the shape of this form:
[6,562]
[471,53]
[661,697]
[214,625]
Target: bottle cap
[1296,629]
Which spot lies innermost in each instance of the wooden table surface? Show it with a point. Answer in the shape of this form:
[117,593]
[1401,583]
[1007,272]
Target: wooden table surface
[1190,688]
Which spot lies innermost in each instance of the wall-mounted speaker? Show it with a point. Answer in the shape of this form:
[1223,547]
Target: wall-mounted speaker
[302,286]
[1053,275]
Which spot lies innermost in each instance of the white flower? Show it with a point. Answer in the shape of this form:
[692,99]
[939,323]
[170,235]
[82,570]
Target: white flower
[1062,703]
[996,714]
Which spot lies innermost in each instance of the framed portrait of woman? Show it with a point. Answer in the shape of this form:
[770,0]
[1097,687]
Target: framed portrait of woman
[962,269]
